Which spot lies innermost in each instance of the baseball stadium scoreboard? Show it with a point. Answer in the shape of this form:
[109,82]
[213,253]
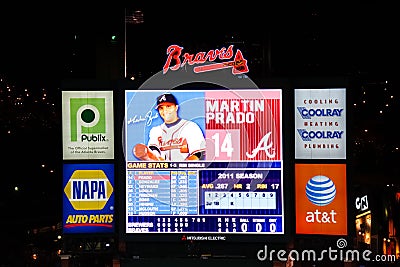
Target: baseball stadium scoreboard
[235,188]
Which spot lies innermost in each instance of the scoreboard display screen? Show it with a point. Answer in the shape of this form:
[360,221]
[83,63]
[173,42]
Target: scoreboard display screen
[213,166]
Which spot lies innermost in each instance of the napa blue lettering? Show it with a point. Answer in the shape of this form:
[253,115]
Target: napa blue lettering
[89,189]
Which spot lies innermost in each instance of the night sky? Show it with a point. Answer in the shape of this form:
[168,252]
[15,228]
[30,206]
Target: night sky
[357,36]
[355,39]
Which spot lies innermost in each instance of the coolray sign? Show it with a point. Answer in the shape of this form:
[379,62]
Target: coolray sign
[88,125]
[88,198]
[176,60]
[321,199]
[320,123]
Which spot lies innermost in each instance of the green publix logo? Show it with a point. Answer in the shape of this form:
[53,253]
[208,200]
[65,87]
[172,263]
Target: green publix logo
[88,119]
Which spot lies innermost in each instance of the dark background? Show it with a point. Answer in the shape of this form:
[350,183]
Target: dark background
[42,47]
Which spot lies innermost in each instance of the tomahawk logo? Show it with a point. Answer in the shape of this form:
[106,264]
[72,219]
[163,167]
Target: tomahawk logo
[88,119]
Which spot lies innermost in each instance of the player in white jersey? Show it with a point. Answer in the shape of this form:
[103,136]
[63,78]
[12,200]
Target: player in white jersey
[176,139]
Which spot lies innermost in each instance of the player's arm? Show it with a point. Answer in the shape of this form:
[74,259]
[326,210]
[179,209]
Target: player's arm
[149,152]
[196,143]
[143,152]
[197,155]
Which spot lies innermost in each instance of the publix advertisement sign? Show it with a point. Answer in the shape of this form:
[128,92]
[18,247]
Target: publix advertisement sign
[88,125]
[88,200]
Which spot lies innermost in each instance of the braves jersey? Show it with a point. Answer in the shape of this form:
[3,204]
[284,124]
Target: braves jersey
[178,140]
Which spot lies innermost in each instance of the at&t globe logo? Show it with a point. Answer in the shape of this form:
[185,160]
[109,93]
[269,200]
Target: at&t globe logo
[320,190]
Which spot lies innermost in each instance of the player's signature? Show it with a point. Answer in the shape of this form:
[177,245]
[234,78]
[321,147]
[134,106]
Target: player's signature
[148,118]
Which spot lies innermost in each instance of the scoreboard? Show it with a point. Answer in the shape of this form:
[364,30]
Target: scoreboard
[237,188]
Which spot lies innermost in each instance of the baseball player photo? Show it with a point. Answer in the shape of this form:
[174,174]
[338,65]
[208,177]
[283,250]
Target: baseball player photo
[173,138]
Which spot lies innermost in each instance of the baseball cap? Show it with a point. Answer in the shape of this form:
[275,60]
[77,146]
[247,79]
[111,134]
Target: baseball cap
[166,98]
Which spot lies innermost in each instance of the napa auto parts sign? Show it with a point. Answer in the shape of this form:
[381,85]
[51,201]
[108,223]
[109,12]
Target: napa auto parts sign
[88,201]
[320,123]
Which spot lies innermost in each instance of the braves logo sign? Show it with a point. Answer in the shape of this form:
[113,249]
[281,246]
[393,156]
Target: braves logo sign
[238,64]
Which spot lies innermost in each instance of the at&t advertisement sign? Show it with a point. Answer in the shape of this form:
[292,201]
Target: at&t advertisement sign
[321,199]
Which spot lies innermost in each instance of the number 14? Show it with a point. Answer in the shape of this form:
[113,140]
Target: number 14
[225,146]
